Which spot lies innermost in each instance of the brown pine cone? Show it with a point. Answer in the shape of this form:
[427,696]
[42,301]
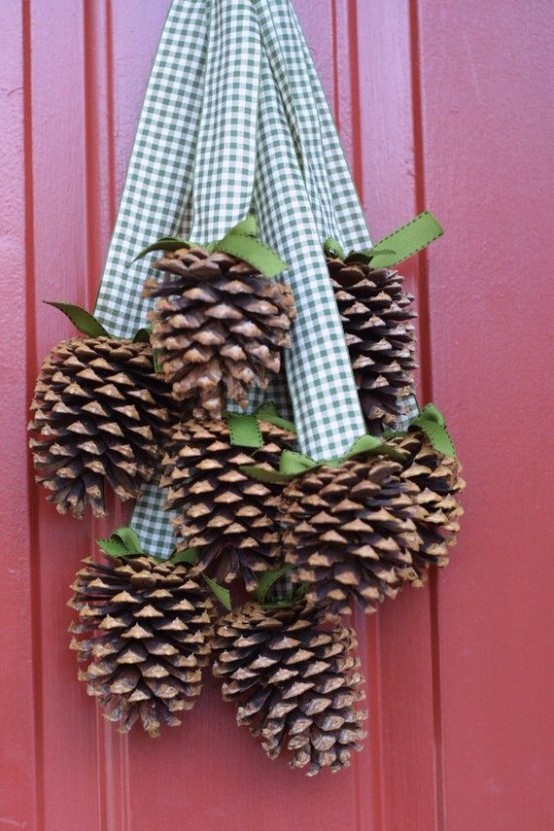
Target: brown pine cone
[219,325]
[229,516]
[374,312]
[438,482]
[145,629]
[100,414]
[350,532]
[291,675]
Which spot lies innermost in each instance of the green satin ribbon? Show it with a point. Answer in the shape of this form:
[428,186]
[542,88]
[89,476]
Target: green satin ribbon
[244,430]
[241,241]
[124,542]
[431,421]
[89,326]
[269,412]
[267,580]
[292,464]
[392,249]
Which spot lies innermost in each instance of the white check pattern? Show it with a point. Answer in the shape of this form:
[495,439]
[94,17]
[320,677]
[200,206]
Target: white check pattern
[235,120]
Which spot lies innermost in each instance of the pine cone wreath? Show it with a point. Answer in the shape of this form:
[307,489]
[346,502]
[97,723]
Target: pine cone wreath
[291,675]
[145,629]
[374,311]
[437,483]
[100,415]
[219,325]
[219,508]
[350,532]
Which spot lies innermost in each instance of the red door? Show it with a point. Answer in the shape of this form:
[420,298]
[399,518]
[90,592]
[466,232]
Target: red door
[441,105]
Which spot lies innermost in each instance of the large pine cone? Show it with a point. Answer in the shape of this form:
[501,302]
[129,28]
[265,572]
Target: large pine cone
[294,682]
[146,629]
[350,532]
[437,480]
[229,516]
[219,326]
[100,414]
[374,312]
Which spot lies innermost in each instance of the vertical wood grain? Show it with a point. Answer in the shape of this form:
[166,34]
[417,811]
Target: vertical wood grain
[486,81]
[20,745]
[405,717]
[59,249]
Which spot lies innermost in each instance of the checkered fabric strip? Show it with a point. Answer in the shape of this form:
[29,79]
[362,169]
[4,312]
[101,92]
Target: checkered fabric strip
[226,149]
[325,402]
[158,187]
[322,159]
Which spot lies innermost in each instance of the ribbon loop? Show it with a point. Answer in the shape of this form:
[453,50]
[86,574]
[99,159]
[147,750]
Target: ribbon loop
[332,248]
[404,242]
[240,241]
[432,422]
[244,429]
[269,412]
[292,464]
[124,542]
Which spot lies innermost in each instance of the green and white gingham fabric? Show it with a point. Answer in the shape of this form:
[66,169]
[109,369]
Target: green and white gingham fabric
[235,121]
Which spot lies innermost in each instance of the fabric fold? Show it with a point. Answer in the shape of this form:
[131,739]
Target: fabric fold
[235,119]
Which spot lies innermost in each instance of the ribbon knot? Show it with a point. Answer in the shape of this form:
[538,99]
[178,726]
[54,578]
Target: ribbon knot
[241,241]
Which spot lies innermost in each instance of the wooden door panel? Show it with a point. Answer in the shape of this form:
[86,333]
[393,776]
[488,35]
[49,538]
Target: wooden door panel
[439,105]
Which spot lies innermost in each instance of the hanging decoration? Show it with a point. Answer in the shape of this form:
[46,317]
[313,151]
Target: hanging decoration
[145,628]
[253,392]
[101,416]
[220,321]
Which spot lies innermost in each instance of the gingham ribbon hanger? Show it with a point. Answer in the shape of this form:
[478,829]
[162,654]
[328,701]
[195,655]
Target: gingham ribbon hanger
[235,120]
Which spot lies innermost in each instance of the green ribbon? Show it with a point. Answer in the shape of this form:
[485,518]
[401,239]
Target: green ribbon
[294,464]
[431,421]
[268,580]
[190,556]
[269,412]
[222,594]
[81,319]
[392,249]
[244,430]
[241,241]
[88,325]
[124,542]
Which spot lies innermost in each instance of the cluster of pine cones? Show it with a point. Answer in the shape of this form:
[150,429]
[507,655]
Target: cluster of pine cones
[104,414]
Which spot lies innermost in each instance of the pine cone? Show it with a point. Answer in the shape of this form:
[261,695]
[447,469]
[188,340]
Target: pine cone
[100,414]
[228,515]
[350,532]
[219,326]
[373,308]
[437,480]
[291,676]
[146,628]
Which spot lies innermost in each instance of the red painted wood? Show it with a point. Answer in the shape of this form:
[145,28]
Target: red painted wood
[20,739]
[486,80]
[439,105]
[404,725]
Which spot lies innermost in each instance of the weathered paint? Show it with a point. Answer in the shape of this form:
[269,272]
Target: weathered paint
[441,105]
